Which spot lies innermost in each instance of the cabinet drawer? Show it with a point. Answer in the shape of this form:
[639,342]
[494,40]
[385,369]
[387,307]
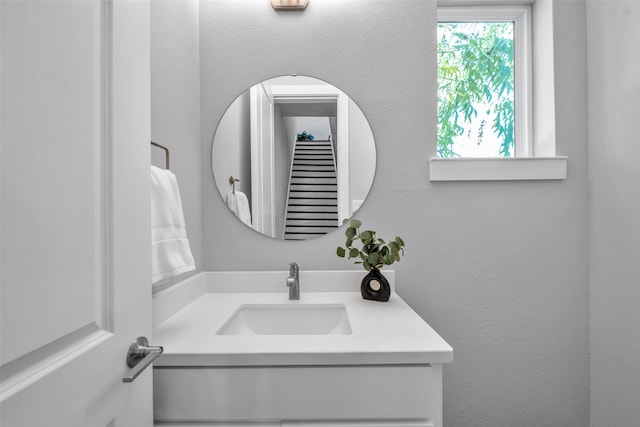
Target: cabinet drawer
[393,392]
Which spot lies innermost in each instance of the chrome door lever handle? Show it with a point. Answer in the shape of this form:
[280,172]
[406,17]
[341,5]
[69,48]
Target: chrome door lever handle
[139,356]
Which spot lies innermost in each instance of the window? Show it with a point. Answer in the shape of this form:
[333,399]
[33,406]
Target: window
[496,114]
[483,82]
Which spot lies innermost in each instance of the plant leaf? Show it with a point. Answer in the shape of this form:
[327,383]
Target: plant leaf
[355,223]
[371,247]
[340,252]
[350,232]
[353,253]
[373,258]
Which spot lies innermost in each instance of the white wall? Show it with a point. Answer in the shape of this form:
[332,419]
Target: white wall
[614,152]
[175,105]
[232,150]
[362,156]
[500,269]
[316,126]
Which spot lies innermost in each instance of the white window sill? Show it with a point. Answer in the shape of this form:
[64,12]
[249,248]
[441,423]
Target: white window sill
[498,169]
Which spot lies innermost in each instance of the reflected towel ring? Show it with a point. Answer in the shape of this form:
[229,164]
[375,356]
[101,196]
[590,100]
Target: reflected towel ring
[232,183]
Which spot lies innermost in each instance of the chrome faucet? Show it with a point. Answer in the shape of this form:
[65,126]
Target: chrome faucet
[293,281]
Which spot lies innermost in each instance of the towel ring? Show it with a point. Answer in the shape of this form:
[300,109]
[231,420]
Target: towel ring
[232,183]
[166,153]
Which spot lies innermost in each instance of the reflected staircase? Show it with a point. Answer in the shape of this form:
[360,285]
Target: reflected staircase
[312,202]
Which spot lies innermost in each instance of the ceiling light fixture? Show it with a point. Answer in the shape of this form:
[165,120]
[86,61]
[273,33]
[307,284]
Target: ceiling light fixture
[289,4]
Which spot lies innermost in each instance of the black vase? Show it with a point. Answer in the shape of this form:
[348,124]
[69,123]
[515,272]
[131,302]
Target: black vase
[375,286]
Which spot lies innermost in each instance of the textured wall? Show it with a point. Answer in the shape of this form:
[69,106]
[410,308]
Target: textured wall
[498,268]
[175,105]
[614,88]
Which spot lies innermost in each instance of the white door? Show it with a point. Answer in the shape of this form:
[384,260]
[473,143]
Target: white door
[75,233]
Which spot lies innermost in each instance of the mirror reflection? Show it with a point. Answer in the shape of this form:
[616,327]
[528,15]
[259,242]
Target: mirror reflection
[293,157]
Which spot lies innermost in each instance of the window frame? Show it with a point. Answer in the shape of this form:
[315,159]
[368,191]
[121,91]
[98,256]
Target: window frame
[535,152]
[520,15]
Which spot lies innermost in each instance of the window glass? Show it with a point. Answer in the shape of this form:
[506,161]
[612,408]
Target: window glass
[476,89]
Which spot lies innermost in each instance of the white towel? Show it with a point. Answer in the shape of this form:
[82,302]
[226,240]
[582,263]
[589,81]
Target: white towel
[170,250]
[239,205]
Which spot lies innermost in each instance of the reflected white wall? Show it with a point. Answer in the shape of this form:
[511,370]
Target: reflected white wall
[233,152]
[362,157]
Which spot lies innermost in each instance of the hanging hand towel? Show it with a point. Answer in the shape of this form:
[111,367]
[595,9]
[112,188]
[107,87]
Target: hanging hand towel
[170,250]
[239,205]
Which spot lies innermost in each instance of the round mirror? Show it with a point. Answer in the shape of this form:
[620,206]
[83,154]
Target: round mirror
[293,157]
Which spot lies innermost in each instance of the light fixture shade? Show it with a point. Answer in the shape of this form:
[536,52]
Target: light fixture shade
[289,4]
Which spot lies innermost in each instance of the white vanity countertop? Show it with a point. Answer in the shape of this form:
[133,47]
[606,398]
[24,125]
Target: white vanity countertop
[382,333]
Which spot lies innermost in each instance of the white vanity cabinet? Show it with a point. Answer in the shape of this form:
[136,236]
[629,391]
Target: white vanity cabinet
[384,370]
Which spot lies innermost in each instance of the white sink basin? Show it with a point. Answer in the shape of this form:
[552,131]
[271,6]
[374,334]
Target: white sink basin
[285,319]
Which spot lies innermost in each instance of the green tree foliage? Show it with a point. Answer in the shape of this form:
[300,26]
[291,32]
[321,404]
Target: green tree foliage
[475,70]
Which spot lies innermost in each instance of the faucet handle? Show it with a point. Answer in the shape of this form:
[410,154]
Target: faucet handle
[293,282]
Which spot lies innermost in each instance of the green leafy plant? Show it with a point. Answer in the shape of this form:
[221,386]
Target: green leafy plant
[373,252]
[304,136]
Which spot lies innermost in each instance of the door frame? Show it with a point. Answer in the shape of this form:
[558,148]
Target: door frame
[264,162]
